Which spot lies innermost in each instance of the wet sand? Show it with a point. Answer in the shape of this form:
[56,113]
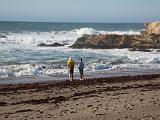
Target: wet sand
[117,98]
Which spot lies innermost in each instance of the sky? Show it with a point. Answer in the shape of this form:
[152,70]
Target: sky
[80,10]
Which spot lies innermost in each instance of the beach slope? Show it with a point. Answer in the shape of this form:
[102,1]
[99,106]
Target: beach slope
[118,98]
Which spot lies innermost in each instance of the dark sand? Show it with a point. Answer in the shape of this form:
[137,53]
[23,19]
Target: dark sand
[117,98]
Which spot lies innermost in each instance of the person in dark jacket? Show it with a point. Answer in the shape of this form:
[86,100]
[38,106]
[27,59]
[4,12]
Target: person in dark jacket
[81,69]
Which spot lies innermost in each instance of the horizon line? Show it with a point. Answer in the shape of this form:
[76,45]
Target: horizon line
[67,22]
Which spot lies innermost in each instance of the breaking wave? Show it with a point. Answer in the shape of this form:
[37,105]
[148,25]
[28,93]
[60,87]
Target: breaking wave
[65,37]
[95,61]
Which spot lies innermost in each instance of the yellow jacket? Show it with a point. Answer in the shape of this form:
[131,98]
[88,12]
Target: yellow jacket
[70,64]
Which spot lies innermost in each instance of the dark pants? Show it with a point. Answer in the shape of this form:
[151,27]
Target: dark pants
[81,74]
[71,71]
[81,71]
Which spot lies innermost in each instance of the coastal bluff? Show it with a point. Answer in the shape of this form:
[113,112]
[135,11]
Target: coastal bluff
[147,39]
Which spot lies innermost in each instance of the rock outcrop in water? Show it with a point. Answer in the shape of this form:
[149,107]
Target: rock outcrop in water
[2,36]
[150,38]
[51,45]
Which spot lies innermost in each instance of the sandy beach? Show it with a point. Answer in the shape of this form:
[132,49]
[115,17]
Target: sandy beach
[117,98]
[47,47]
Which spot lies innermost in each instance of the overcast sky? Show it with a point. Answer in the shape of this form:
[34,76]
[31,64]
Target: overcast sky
[80,10]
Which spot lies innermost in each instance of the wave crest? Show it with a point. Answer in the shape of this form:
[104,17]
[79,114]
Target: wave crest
[65,37]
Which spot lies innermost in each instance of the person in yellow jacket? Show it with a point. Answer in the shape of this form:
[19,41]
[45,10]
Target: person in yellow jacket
[70,64]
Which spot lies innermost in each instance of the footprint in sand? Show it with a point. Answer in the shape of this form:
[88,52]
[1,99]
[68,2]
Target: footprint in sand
[89,105]
[141,100]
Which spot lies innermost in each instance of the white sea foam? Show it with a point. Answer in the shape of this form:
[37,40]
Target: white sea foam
[65,37]
[95,61]
[124,32]
[89,31]
[29,70]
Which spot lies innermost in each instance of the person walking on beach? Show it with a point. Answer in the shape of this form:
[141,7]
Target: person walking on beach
[81,68]
[70,64]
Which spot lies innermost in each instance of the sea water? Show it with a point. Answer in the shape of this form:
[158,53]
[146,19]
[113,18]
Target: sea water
[21,57]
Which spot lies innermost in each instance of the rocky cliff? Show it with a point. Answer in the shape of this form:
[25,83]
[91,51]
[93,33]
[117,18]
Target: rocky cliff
[150,38]
[153,27]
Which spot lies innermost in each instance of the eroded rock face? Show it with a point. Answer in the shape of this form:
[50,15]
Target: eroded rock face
[102,41]
[107,41]
[150,38]
[2,36]
[153,27]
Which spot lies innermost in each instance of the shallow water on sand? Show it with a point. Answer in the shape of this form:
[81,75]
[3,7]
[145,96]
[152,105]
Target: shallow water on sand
[18,60]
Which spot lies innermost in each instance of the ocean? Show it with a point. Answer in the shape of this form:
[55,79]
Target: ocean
[21,57]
